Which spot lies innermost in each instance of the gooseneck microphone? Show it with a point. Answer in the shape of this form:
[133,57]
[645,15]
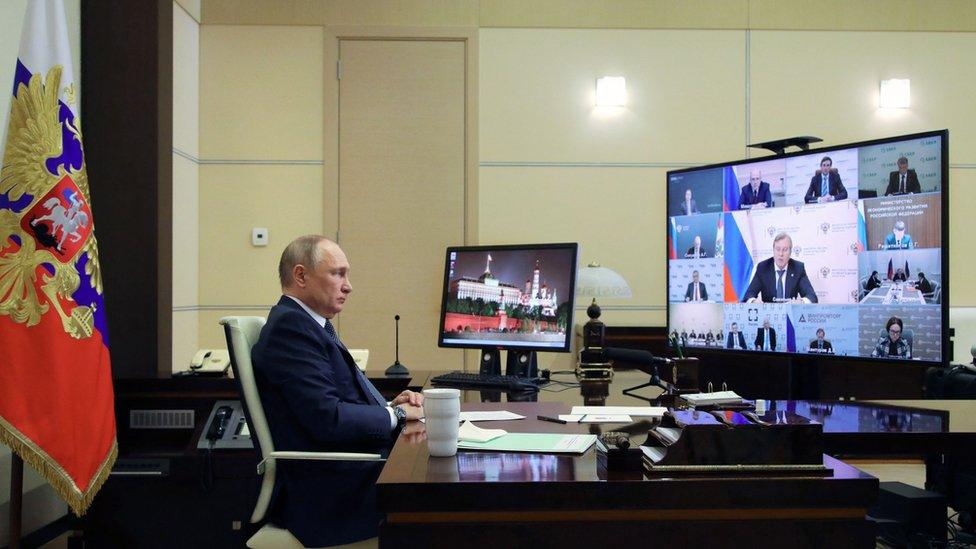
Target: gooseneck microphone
[637,356]
[397,369]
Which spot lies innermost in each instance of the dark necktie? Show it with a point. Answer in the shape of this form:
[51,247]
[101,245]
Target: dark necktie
[377,397]
[780,290]
[823,186]
[902,182]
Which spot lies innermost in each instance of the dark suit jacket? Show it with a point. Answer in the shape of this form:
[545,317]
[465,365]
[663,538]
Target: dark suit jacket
[690,294]
[772,338]
[925,286]
[315,401]
[748,197]
[834,187]
[741,338]
[827,347]
[701,252]
[683,210]
[764,282]
[911,183]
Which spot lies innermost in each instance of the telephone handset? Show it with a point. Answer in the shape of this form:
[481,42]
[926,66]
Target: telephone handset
[219,423]
[210,362]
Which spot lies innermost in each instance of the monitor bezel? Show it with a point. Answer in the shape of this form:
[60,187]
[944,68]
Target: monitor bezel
[944,201]
[567,343]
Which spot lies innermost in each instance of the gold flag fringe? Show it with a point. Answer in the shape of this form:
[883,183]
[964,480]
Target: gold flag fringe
[53,473]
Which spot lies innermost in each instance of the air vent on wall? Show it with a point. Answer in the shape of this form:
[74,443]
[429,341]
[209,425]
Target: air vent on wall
[161,419]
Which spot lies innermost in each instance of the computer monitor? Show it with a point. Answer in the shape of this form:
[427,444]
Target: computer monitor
[841,251]
[517,298]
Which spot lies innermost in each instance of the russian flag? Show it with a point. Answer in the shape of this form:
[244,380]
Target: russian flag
[673,240]
[790,335]
[862,229]
[730,184]
[738,261]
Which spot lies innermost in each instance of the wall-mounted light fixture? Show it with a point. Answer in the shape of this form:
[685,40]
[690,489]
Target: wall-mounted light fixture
[611,91]
[896,93]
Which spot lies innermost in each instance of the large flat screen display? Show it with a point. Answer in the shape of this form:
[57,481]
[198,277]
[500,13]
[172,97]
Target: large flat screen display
[509,297]
[839,251]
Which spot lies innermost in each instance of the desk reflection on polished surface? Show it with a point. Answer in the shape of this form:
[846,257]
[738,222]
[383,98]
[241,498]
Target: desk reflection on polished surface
[481,499]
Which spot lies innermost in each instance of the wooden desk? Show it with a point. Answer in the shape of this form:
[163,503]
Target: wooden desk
[536,500]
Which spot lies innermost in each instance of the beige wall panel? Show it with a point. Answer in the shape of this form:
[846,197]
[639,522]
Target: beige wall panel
[963,319]
[186,232]
[616,215]
[962,227]
[261,92]
[826,84]
[401,191]
[234,199]
[186,82]
[342,12]
[191,7]
[923,15]
[686,94]
[619,14]
[186,333]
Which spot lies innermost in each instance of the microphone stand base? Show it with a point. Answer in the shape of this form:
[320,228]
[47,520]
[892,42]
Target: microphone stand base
[397,369]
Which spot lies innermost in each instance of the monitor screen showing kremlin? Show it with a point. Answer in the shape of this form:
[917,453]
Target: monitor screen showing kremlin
[841,251]
[509,297]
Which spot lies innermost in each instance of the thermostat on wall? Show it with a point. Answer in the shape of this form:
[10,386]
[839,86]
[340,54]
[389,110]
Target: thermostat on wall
[259,236]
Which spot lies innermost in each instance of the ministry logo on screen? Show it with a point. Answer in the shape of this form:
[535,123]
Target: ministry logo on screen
[824,271]
[824,227]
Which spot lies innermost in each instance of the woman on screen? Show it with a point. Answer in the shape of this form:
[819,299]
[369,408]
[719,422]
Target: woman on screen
[893,345]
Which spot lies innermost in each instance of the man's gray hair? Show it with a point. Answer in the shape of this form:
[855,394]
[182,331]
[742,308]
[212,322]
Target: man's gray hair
[781,236]
[304,250]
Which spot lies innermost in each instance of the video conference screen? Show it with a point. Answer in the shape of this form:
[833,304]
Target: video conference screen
[840,251]
[509,297]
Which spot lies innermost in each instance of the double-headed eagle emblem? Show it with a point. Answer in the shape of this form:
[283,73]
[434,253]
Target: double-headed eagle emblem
[46,225]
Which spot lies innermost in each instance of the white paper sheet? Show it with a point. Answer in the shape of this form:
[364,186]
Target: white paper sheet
[638,411]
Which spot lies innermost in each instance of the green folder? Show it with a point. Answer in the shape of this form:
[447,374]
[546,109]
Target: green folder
[538,443]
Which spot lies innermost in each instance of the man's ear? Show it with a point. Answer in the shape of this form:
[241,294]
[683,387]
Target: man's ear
[299,275]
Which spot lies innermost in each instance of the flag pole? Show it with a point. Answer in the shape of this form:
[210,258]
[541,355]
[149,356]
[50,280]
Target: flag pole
[16,499]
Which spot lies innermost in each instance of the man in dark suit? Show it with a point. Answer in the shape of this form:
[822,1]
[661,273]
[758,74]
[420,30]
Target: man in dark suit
[765,337]
[696,251]
[688,205]
[735,340]
[903,180]
[696,290]
[821,345]
[316,399]
[780,278]
[825,186]
[756,194]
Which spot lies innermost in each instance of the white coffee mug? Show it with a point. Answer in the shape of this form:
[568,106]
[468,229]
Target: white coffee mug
[442,408]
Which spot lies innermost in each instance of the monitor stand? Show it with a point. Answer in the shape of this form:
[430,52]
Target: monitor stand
[517,363]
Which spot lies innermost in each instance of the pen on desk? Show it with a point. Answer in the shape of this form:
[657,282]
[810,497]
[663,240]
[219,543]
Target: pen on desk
[551,419]
[582,417]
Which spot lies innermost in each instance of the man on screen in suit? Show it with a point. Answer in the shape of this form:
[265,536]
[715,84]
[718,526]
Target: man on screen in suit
[898,239]
[780,278]
[825,186]
[903,180]
[756,193]
[696,250]
[735,340]
[765,337]
[688,205]
[821,345]
[696,290]
[316,399]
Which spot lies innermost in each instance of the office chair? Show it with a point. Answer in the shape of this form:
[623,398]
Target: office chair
[242,333]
